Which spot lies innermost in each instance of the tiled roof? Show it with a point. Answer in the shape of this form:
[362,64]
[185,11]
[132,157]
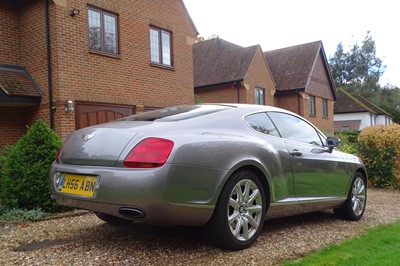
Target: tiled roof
[217,61]
[15,81]
[291,67]
[353,103]
[17,88]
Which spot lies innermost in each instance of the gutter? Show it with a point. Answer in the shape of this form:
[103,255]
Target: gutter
[49,68]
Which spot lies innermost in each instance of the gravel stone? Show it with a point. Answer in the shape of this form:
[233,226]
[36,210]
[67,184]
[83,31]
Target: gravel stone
[85,240]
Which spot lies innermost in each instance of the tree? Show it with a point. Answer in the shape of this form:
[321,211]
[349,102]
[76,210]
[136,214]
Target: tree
[359,69]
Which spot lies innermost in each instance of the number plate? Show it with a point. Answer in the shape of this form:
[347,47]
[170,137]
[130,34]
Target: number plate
[78,185]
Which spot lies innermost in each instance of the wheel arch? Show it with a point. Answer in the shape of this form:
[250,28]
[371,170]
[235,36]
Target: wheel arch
[261,175]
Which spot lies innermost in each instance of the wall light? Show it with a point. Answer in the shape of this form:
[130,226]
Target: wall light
[69,106]
[74,12]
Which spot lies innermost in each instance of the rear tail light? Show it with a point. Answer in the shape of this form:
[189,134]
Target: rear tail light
[57,159]
[149,153]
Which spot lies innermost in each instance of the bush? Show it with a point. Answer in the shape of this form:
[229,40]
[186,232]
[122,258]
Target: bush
[379,148]
[25,168]
[348,141]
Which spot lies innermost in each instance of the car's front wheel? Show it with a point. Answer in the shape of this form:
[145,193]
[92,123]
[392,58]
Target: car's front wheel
[354,207]
[239,214]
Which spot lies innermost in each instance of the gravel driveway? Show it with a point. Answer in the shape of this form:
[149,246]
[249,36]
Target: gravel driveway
[85,240]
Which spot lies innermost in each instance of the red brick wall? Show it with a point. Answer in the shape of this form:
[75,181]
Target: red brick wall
[129,78]
[22,42]
[9,36]
[81,75]
[260,76]
[222,94]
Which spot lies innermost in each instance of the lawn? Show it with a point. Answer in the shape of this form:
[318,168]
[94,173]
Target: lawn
[379,246]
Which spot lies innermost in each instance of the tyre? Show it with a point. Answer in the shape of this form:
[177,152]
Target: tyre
[239,214]
[354,206]
[111,219]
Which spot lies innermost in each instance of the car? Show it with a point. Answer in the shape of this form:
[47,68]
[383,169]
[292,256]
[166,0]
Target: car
[223,167]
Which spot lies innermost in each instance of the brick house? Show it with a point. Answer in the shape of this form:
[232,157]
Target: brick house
[304,82]
[353,112]
[79,63]
[229,73]
[295,78]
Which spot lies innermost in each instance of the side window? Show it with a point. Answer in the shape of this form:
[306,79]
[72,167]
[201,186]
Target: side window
[103,31]
[294,128]
[262,123]
[160,46]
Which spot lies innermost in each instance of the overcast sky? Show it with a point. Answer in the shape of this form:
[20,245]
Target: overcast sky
[282,23]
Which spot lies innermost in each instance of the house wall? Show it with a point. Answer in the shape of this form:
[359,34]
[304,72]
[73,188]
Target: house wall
[259,76]
[78,74]
[129,78]
[323,123]
[22,42]
[367,119]
[227,93]
[383,120]
[320,87]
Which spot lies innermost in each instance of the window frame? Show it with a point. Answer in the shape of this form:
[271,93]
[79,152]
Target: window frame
[325,110]
[104,13]
[312,106]
[160,46]
[258,92]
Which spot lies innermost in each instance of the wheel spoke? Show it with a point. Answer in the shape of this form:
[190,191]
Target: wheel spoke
[234,204]
[245,228]
[254,195]
[250,220]
[246,192]
[239,194]
[233,217]
[254,209]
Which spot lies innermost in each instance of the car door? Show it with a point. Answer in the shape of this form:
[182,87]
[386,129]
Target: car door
[317,173]
[276,158]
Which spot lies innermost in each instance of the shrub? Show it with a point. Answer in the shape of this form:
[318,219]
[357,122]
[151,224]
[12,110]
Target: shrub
[379,148]
[348,141]
[24,173]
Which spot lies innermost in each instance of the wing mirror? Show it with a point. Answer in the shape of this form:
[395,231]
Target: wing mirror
[332,142]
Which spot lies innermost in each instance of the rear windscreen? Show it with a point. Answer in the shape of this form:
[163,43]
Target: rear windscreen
[177,113]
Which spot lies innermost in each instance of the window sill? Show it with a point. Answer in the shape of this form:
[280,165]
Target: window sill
[162,66]
[116,56]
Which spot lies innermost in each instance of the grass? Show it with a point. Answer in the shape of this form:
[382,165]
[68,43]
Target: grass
[379,246]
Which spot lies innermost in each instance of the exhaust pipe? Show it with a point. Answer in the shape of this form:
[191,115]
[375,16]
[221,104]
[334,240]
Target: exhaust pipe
[131,212]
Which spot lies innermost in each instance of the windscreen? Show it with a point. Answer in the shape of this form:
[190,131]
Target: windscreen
[177,113]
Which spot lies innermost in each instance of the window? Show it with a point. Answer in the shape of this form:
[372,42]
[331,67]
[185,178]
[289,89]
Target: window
[262,123]
[160,46]
[259,96]
[325,108]
[103,32]
[293,128]
[312,105]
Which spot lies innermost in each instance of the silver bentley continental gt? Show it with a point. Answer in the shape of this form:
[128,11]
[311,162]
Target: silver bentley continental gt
[224,167]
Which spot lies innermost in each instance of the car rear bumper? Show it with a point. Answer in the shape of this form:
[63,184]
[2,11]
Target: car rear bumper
[169,195]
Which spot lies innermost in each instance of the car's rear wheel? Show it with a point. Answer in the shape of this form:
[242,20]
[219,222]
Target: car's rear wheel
[239,214]
[354,207]
[111,219]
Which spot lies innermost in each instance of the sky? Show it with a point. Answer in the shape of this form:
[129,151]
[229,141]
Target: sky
[283,23]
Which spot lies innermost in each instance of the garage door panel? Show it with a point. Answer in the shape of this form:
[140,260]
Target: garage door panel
[90,114]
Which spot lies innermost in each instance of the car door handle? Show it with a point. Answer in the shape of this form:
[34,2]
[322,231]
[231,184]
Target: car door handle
[296,153]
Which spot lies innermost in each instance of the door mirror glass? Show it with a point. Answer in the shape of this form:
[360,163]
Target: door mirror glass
[332,142]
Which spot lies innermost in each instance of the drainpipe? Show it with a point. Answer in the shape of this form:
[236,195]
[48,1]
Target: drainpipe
[49,83]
